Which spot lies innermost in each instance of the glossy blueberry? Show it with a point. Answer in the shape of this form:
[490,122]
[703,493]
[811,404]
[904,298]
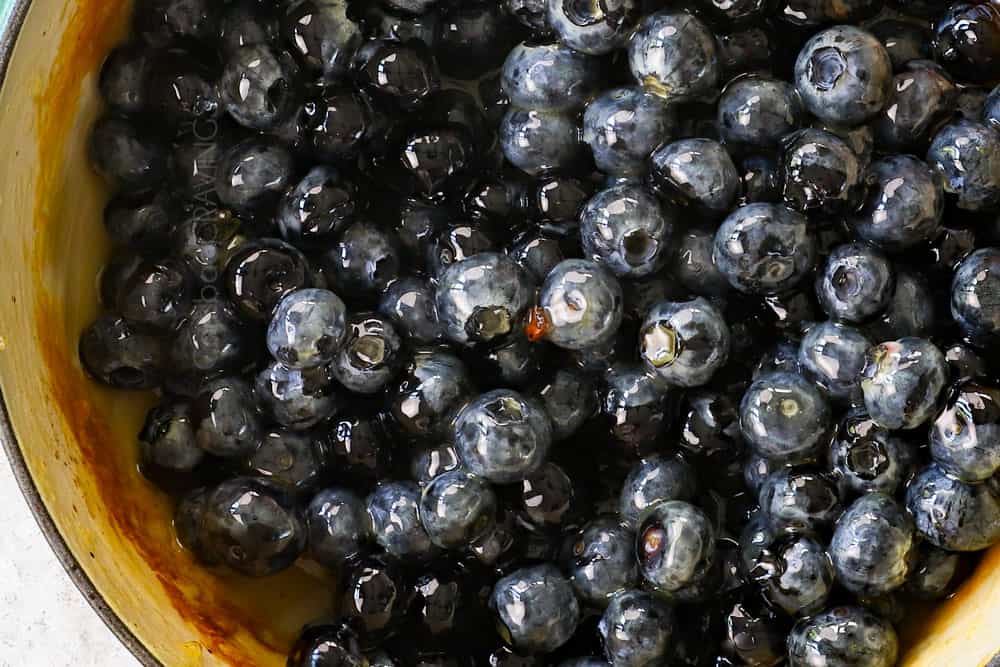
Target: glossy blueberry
[365,260]
[580,306]
[675,546]
[160,22]
[322,35]
[856,283]
[833,355]
[537,255]
[142,221]
[307,328]
[762,178]
[691,264]
[903,40]
[482,298]
[410,304]
[182,91]
[457,508]
[623,126]
[966,156]
[557,202]
[292,461]
[375,596]
[156,295]
[503,436]
[225,421]
[654,480]
[126,155]
[866,458]
[258,86]
[254,174]
[547,496]
[872,545]
[569,398]
[797,503]
[904,205]
[684,343]
[550,77]
[594,28]
[698,173]
[844,75]
[802,579]
[965,437]
[210,342]
[784,417]
[252,526]
[954,515]
[710,426]
[393,508]
[674,55]
[342,125]
[933,574]
[634,407]
[991,110]
[600,560]
[843,637]
[296,398]
[495,200]
[453,243]
[754,634]
[764,249]
[967,41]
[973,305]
[911,312]
[167,439]
[965,363]
[438,161]
[515,362]
[627,229]
[370,355]
[360,450]
[922,98]
[532,14]
[536,608]
[433,461]
[244,24]
[755,470]
[902,382]
[757,110]
[392,25]
[260,274]
[338,526]
[401,74]
[327,646]
[205,245]
[636,629]
[123,76]
[822,173]
[540,141]
[318,208]
[433,387]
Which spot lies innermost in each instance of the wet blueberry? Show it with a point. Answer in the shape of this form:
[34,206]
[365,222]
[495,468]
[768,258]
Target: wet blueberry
[966,156]
[160,22]
[455,243]
[297,398]
[127,155]
[292,461]
[537,255]
[393,508]
[402,74]
[600,560]
[260,274]
[654,480]
[326,646]
[872,544]
[833,355]
[692,265]
[307,328]
[902,382]
[370,355]
[627,229]
[923,97]
[457,508]
[156,295]
[438,161]
[843,637]
[322,35]
[866,458]
[547,496]
[904,205]
[365,260]
[822,173]
[433,461]
[933,574]
[911,312]
[244,24]
[142,221]
[224,418]
[954,515]
[757,110]
[636,629]
[802,578]
[113,351]
[550,77]
[481,299]
[635,407]
[536,607]
[167,438]
[856,283]
[623,126]
[123,76]
[258,86]
[433,387]
[473,40]
[569,398]
[973,305]
[965,437]
[591,28]
[580,306]
[698,173]
[360,449]
[675,546]
[253,174]
[674,55]
[210,342]
[784,417]
[903,40]
[375,596]
[313,212]
[537,142]
[341,127]
[798,502]
[967,41]
[410,304]
[684,343]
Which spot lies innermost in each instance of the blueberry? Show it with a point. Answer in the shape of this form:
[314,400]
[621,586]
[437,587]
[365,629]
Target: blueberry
[515,362]
[763,179]
[675,546]
[967,41]
[496,200]
[375,597]
[537,255]
[181,90]
[757,110]
[393,509]
[923,97]
[307,328]
[755,470]
[783,416]
[872,545]
[457,508]
[833,355]
[580,306]
[933,574]
[684,343]
[244,24]
[569,398]
[503,436]
[210,342]
[410,304]
[123,76]
[600,560]
[822,173]
[532,14]
[866,458]
[156,295]
[802,579]
[954,515]
[634,407]
[325,646]
[674,55]
[623,126]
[359,449]
[636,629]
[691,264]
[205,245]
[342,126]
[433,461]
[540,141]
[260,274]
[966,156]
[798,502]
[473,40]
[432,389]
[297,398]
[549,77]
[481,299]
[401,74]
[365,260]
[764,249]
[902,382]
[844,75]
[557,202]
[697,172]
[627,229]
[965,436]
[965,363]
[292,461]
[437,161]
[592,28]
[856,283]
[455,243]
[142,221]
[859,138]
[317,209]
[547,496]
[654,480]
[167,438]
[710,426]
[253,174]
[127,155]
[973,306]
[160,22]
[370,355]
[226,423]
[536,607]
[258,86]
[910,312]
[754,634]
[115,352]
[903,40]
[323,36]
[252,526]
[843,637]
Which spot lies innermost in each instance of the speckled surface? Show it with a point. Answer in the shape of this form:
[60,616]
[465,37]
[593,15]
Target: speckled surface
[44,620]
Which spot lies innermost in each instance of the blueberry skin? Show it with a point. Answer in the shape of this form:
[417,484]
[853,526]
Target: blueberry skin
[457,508]
[569,398]
[595,29]
[698,172]
[600,560]
[532,14]
[965,437]
[410,304]
[785,417]
[684,343]
[365,261]
[756,469]
[843,637]
[754,634]
[833,355]
[764,249]
[675,546]
[799,503]
[226,424]
[932,576]
[549,77]
[370,355]
[866,458]
[314,211]
[547,496]
[297,398]
[156,295]
[126,155]
[674,56]
[253,527]
[856,283]
[260,273]
[904,205]
[433,387]
[966,156]
[403,75]
[757,110]
[323,36]
[973,305]
[872,544]
[636,629]
[623,126]
[626,229]
[210,342]
[482,298]
[167,438]
[393,509]
[844,75]
[455,243]
[923,97]
[902,382]
[803,579]
[341,124]
[954,515]
[651,481]
[258,86]
[537,609]
[503,436]
[307,328]
[338,526]
[254,174]
[822,173]
[635,407]
[537,142]
[582,303]
[967,42]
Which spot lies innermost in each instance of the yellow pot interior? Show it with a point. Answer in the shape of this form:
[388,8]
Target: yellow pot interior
[78,439]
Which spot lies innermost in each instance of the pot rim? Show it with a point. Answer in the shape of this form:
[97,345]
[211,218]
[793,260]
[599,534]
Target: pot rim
[11,20]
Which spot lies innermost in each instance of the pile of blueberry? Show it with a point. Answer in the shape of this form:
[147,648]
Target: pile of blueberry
[566,332]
